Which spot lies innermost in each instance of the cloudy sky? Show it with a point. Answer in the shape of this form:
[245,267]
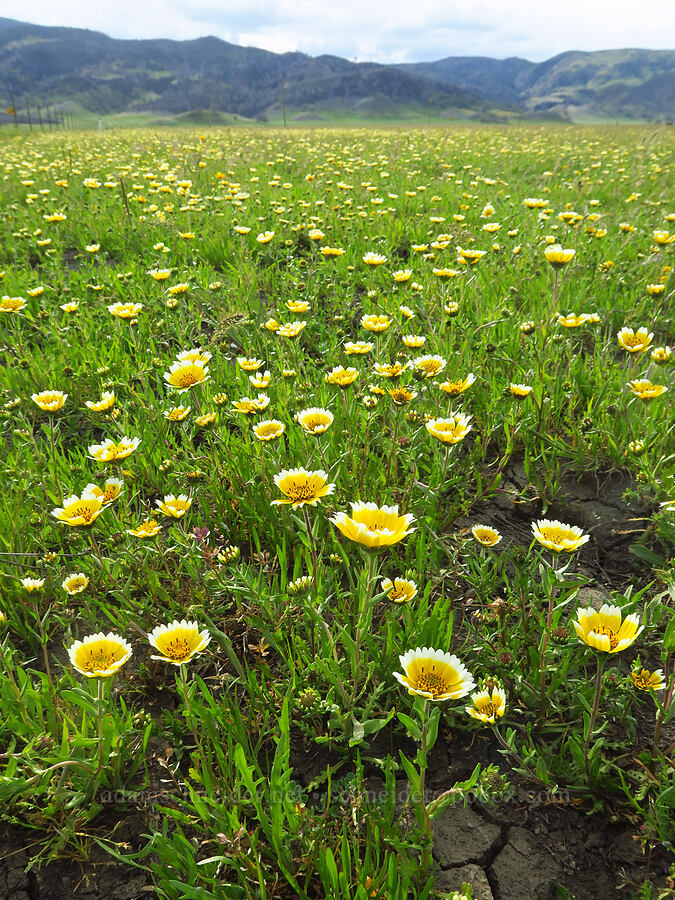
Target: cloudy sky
[397,31]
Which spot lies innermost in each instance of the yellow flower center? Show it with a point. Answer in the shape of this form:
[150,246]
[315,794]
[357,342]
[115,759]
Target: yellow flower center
[316,422]
[611,634]
[432,682]
[487,708]
[97,658]
[266,430]
[177,648]
[400,395]
[83,511]
[187,379]
[300,491]
[555,536]
[376,527]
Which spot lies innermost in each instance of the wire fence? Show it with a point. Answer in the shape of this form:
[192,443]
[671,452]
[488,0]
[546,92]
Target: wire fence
[27,112]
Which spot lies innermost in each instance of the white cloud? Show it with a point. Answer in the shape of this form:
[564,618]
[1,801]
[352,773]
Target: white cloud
[375,30]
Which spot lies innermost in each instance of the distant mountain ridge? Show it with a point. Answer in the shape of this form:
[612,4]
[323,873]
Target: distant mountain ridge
[106,75]
[628,83]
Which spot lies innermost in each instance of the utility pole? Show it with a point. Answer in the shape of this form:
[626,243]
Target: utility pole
[30,121]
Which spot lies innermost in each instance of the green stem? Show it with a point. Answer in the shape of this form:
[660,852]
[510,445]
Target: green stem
[45,654]
[363,608]
[544,640]
[601,660]
[57,489]
[555,292]
[190,719]
[99,698]
[94,545]
[427,852]
[315,570]
[670,689]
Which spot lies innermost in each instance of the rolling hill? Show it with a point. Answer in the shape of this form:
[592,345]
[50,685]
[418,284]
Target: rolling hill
[104,75]
[626,84]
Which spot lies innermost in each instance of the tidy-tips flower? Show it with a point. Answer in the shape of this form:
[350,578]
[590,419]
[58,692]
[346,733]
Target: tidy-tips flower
[176,413]
[414,341]
[358,347]
[488,704]
[605,630]
[400,590]
[75,584]
[572,321]
[194,354]
[375,323]
[434,675]
[374,526]
[12,304]
[389,370]
[32,584]
[260,380]
[298,306]
[450,430]
[469,257]
[111,450]
[110,491]
[107,400]
[291,329]
[645,389]
[374,259]
[301,487]
[486,535]
[147,529]
[269,430]
[99,655]
[79,511]
[558,257]
[644,680]
[401,395]
[249,363]
[429,366]
[185,374]
[455,388]
[205,419]
[50,401]
[314,420]
[342,376]
[558,537]
[251,405]
[125,310]
[172,506]
[402,275]
[178,642]
[635,341]
[661,355]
